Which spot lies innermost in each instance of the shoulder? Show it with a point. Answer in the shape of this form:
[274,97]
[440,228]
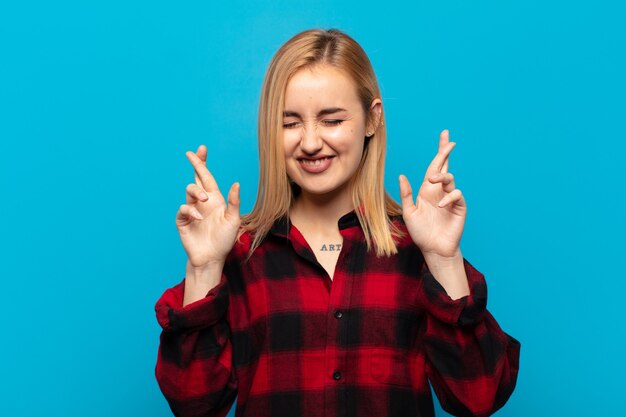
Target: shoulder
[241,247]
[395,218]
[404,239]
[243,244]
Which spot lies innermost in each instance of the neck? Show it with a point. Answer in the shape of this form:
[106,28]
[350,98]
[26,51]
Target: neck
[321,212]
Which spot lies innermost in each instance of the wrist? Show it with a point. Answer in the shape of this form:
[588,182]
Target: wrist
[200,280]
[449,271]
[444,261]
[194,271]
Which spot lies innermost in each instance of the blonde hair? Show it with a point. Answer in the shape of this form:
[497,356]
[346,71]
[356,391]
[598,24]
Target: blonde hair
[275,193]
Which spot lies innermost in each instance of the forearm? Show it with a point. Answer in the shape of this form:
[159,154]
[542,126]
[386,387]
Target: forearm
[199,281]
[191,370]
[450,273]
[473,369]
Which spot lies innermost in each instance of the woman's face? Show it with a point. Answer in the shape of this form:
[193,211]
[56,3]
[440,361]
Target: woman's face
[324,129]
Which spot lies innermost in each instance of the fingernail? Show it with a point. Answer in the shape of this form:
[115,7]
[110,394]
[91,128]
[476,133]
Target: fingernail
[204,196]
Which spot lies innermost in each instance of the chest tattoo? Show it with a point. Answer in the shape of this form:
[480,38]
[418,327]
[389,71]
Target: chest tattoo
[330,247]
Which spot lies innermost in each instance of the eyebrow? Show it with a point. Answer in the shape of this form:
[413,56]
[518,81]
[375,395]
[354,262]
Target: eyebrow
[322,112]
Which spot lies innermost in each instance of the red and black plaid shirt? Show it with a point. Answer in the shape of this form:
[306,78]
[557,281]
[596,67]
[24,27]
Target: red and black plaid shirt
[285,340]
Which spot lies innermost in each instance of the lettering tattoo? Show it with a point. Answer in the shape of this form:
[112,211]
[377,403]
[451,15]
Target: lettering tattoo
[331,247]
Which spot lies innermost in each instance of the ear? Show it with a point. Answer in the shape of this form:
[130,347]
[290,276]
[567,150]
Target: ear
[374,116]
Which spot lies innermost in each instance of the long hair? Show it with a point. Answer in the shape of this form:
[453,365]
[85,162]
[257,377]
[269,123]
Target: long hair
[275,193]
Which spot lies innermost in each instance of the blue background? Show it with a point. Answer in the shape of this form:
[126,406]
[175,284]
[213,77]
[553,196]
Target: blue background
[100,100]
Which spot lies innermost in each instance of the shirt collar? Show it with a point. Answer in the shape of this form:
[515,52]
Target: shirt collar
[282,225]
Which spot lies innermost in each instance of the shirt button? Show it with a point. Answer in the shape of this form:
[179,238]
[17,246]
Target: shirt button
[337,375]
[338,314]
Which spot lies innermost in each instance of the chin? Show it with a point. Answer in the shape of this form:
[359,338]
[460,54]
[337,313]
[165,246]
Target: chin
[321,189]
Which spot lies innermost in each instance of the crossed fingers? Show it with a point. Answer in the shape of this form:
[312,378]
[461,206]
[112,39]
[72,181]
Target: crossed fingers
[440,161]
[202,175]
[445,178]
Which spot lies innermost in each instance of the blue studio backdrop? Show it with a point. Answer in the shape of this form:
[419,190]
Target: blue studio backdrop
[100,100]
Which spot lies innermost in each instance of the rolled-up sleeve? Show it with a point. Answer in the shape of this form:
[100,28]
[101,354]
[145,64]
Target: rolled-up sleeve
[194,364]
[471,363]
[207,311]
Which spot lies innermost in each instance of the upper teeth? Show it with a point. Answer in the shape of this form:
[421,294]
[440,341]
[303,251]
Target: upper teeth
[313,162]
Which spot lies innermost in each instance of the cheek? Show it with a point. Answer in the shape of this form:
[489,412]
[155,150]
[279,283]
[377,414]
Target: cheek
[339,134]
[291,139]
[346,139]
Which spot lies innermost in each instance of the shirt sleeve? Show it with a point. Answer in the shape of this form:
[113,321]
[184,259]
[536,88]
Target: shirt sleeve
[471,363]
[194,363]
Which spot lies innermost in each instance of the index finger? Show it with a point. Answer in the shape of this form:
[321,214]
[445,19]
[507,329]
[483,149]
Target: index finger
[201,153]
[201,172]
[440,161]
[445,134]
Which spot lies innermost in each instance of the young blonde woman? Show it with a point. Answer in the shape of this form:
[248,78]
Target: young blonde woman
[329,298]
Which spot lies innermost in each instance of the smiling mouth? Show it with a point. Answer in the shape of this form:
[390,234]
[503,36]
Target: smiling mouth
[315,162]
[317,165]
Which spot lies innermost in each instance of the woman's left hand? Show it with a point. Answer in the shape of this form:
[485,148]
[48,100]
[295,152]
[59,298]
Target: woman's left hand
[436,220]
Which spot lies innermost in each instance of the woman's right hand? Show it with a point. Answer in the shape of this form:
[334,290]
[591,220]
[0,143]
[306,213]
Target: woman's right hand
[207,227]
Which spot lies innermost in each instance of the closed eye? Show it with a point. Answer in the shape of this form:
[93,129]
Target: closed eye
[290,125]
[333,122]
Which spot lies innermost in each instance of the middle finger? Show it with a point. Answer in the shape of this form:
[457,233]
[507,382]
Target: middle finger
[446,179]
[204,177]
[195,193]
[440,159]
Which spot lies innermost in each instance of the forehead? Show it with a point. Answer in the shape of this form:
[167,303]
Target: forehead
[320,86]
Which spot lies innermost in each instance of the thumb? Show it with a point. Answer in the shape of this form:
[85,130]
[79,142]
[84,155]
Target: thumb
[406,195]
[232,211]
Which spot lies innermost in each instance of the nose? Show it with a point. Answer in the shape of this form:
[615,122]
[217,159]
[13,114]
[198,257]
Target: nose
[310,141]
